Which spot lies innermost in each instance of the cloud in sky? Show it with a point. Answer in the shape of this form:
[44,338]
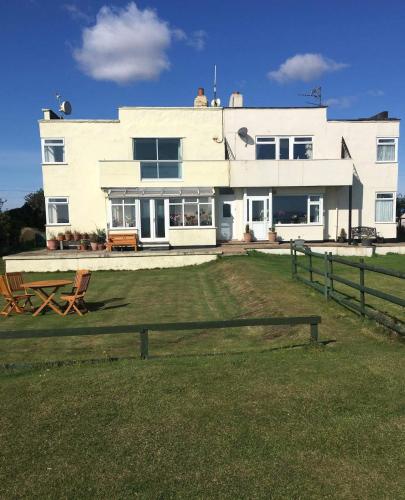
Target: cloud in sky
[305,68]
[343,102]
[129,44]
[76,13]
[375,93]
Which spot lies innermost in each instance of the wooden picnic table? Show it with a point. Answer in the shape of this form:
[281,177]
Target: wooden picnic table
[47,297]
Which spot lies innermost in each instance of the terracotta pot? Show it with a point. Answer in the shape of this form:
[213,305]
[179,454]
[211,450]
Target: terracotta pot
[100,246]
[68,236]
[94,245]
[248,237]
[61,237]
[77,236]
[272,237]
[52,244]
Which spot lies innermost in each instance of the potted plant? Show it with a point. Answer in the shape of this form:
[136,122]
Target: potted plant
[247,236]
[272,235]
[61,237]
[52,242]
[342,236]
[68,235]
[101,235]
[83,244]
[94,241]
[85,236]
[77,236]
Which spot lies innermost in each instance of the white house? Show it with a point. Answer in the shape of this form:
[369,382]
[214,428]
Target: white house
[193,176]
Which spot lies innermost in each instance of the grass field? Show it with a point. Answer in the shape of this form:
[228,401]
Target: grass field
[213,414]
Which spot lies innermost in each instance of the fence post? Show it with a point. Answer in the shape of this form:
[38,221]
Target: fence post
[311,276]
[362,294]
[314,332]
[331,285]
[144,334]
[326,276]
[293,252]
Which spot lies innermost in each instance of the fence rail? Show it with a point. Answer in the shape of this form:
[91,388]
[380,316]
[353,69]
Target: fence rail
[144,329]
[327,285]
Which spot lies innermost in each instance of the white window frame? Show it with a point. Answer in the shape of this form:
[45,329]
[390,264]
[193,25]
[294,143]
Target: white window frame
[275,139]
[395,139]
[157,161]
[66,202]
[123,204]
[182,202]
[309,203]
[394,206]
[43,139]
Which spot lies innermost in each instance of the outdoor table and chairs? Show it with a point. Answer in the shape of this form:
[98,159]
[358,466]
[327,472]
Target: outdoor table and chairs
[14,290]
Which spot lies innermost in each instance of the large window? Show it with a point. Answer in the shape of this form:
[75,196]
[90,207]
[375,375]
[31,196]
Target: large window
[283,148]
[57,211]
[53,150]
[160,158]
[191,211]
[384,207]
[387,149]
[123,213]
[297,209]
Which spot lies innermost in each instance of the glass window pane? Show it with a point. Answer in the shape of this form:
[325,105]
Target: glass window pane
[169,170]
[175,200]
[160,230]
[149,170]
[226,210]
[302,139]
[176,215]
[145,149]
[384,210]
[117,216]
[314,213]
[265,151]
[63,213]
[386,141]
[386,152]
[53,154]
[190,214]
[302,151]
[258,210]
[145,218]
[284,149]
[129,215]
[389,196]
[206,214]
[265,139]
[168,149]
[290,209]
[314,197]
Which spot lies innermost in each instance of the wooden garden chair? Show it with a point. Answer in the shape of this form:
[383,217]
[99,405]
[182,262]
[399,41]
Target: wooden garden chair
[15,282]
[75,301]
[13,301]
[79,272]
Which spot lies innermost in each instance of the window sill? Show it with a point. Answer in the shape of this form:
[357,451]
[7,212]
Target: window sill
[58,224]
[161,179]
[313,224]
[121,228]
[56,163]
[191,227]
[390,161]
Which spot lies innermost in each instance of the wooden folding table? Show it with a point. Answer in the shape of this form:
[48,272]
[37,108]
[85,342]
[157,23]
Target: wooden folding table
[46,296]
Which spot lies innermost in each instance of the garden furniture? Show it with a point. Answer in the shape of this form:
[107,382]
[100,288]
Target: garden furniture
[46,297]
[13,301]
[75,301]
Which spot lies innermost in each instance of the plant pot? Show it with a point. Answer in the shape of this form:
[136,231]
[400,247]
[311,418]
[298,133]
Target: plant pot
[247,237]
[272,237]
[68,236]
[77,236]
[61,237]
[100,246]
[94,245]
[52,244]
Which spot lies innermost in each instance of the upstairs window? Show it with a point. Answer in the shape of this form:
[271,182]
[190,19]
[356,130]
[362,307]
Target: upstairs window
[387,149]
[159,158]
[53,150]
[283,148]
[384,207]
[57,211]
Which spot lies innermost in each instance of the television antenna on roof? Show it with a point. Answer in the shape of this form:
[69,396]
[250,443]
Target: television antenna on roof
[216,102]
[316,94]
[64,106]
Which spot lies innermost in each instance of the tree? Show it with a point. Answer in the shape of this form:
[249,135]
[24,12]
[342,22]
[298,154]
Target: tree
[36,202]
[2,201]
[400,204]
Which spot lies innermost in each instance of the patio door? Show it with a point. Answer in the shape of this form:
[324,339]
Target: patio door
[258,216]
[226,219]
[153,219]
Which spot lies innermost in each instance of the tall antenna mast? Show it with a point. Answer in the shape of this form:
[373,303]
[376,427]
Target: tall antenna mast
[215,102]
[316,94]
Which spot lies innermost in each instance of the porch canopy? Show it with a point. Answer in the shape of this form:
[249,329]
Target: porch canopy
[151,192]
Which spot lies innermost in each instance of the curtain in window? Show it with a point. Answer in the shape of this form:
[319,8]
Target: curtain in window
[52,213]
[384,210]
[386,152]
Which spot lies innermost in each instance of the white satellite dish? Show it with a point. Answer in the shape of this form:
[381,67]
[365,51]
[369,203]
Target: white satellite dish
[65,108]
[215,103]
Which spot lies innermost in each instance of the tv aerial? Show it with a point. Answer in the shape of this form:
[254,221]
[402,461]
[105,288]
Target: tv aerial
[64,106]
[316,94]
[216,102]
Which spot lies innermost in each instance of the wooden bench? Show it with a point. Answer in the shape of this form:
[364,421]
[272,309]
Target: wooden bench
[122,240]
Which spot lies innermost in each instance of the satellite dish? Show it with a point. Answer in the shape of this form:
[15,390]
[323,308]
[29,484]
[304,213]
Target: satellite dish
[243,132]
[65,107]
[215,103]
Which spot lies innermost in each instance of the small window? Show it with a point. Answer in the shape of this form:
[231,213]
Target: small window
[159,158]
[384,207]
[123,212]
[226,210]
[386,150]
[190,211]
[57,210]
[302,148]
[265,148]
[53,150]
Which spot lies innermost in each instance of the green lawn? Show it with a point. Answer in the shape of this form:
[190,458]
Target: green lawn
[212,414]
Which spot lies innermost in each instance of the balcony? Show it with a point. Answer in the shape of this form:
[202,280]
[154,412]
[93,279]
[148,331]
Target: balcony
[277,173]
[123,173]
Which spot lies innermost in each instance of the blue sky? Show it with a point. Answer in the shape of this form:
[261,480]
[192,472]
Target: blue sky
[161,51]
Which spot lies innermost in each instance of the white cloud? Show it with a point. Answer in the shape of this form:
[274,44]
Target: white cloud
[375,93]
[128,44]
[125,45]
[304,67]
[343,102]
[76,13]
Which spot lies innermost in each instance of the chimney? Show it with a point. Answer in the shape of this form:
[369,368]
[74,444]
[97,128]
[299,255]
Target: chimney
[201,100]
[49,114]
[236,100]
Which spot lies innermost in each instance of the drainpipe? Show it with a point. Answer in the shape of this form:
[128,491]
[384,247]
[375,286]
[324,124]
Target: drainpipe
[350,214]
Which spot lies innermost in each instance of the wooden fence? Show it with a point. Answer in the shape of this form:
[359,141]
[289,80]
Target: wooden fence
[143,330]
[324,267]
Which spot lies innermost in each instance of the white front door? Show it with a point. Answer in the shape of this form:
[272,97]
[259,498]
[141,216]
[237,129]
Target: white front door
[258,219]
[226,219]
[153,219]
